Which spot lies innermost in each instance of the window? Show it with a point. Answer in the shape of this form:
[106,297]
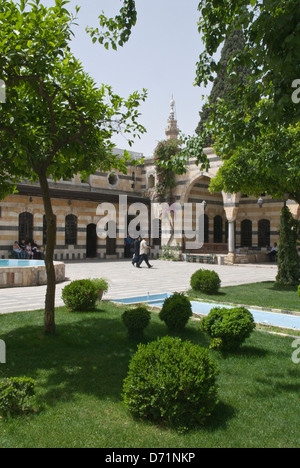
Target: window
[206,229]
[26,227]
[246,233]
[218,229]
[111,242]
[113,179]
[157,229]
[151,181]
[71,230]
[264,233]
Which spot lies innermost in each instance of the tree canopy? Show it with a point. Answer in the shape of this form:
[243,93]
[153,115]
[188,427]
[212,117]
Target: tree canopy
[272,49]
[56,121]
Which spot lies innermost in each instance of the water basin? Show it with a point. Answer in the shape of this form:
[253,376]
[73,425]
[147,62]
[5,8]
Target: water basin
[275,319]
[18,273]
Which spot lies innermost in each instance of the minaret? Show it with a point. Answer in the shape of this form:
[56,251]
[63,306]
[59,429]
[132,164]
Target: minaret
[172,130]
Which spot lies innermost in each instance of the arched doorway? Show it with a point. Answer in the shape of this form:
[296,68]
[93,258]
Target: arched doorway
[91,241]
[214,217]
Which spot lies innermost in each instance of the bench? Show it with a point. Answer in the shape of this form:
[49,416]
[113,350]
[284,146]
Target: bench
[199,258]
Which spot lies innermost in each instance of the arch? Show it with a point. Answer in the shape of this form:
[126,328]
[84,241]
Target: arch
[246,233]
[186,191]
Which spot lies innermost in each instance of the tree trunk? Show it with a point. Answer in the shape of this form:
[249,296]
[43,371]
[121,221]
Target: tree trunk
[49,316]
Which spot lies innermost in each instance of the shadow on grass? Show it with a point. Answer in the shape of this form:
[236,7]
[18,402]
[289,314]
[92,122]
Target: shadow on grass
[88,354]
[281,287]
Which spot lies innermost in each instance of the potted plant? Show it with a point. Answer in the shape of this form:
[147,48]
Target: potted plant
[102,286]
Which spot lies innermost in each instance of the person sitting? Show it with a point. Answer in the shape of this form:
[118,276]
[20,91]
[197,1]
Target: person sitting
[23,249]
[16,250]
[273,253]
[37,254]
[29,251]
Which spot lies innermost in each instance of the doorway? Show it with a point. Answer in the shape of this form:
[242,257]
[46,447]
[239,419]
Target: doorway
[91,241]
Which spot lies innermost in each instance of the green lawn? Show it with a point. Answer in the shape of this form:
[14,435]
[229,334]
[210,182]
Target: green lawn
[80,370]
[266,294]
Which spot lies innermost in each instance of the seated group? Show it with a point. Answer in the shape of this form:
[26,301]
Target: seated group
[27,250]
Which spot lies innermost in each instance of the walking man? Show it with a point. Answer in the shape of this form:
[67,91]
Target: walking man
[136,247]
[144,254]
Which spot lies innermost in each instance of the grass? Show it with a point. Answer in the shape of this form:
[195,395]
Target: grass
[80,370]
[265,294]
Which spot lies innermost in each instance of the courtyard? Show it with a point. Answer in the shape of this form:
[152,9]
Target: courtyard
[127,281]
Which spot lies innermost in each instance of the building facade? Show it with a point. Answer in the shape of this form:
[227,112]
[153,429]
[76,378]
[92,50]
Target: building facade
[236,226]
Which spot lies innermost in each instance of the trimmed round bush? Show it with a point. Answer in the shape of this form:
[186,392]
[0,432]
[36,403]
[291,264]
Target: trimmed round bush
[171,381]
[206,281]
[136,320]
[16,395]
[80,295]
[228,328]
[176,311]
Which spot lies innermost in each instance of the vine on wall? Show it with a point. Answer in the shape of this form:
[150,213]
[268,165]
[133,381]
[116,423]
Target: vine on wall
[164,157]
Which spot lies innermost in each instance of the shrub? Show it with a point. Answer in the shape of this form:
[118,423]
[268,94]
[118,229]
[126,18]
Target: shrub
[299,290]
[172,381]
[228,328]
[176,311]
[80,295]
[136,320]
[16,394]
[101,284]
[206,281]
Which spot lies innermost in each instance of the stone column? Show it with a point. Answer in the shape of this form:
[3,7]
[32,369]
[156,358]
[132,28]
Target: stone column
[231,213]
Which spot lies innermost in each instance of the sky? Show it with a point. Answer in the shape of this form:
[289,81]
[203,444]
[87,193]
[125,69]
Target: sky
[161,56]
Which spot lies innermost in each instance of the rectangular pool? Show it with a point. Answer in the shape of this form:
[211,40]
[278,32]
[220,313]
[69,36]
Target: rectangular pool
[275,319]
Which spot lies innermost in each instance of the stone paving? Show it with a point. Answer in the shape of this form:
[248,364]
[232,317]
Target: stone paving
[128,281]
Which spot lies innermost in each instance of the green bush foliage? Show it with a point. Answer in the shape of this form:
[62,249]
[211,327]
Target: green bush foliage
[172,381]
[16,394]
[228,328]
[299,290]
[80,295]
[101,284]
[206,281]
[176,311]
[288,259]
[136,320]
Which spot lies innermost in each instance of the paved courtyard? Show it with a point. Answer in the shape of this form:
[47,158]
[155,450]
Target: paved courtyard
[128,281]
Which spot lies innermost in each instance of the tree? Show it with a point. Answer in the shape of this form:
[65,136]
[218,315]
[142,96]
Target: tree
[271,52]
[288,258]
[56,121]
[234,43]
[269,163]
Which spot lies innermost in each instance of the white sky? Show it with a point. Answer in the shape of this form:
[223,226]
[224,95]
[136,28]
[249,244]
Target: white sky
[160,56]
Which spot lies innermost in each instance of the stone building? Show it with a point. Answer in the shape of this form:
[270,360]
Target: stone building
[237,227]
